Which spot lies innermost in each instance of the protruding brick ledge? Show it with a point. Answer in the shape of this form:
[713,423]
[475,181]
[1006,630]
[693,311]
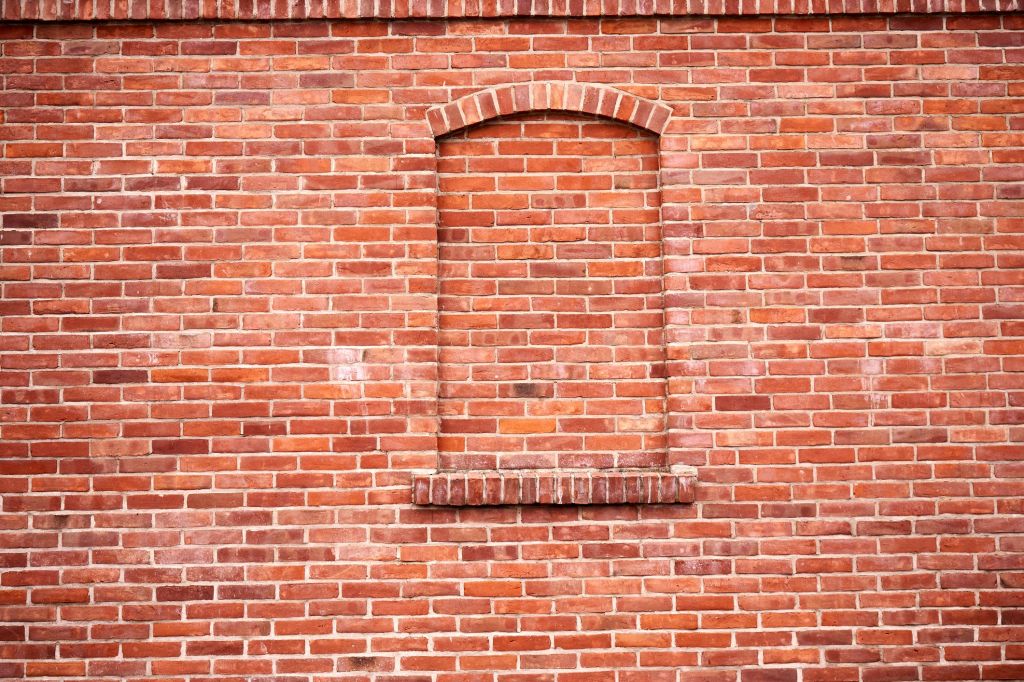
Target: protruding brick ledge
[542,486]
[77,10]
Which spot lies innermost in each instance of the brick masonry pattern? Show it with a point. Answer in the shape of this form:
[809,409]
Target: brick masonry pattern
[219,379]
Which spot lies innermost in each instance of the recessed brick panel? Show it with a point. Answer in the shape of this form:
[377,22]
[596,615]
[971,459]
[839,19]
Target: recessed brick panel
[551,340]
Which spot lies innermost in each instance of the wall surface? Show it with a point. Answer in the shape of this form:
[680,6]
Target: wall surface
[219,352]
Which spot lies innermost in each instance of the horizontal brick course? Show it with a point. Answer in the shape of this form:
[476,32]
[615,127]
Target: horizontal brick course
[61,10]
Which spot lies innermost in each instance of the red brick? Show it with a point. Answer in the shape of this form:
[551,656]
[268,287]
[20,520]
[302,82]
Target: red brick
[261,279]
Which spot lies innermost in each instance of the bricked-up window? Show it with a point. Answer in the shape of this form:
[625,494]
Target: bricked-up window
[551,316]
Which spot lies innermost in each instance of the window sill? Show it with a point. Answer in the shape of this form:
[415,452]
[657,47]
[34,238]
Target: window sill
[544,486]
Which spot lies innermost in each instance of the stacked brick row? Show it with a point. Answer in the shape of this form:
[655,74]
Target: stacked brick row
[159,10]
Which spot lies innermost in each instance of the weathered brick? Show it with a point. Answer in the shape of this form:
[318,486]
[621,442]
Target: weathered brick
[373,337]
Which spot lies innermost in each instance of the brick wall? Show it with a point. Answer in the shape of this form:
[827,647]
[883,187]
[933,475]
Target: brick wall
[219,361]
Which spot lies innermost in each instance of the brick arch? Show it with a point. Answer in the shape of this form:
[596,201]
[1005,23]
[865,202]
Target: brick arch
[588,98]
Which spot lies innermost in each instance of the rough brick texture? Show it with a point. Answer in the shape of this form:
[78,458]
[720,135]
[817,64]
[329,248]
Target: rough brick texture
[219,360]
[551,315]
